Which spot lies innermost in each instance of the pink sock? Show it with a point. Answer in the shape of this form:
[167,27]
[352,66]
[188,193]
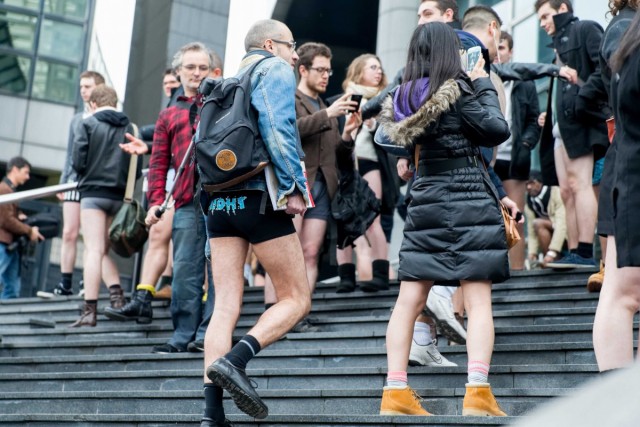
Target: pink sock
[397,378]
[477,372]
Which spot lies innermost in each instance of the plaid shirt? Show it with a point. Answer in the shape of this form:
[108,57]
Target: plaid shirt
[171,140]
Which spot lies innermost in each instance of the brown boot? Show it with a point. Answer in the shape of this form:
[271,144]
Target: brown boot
[163,293]
[88,316]
[116,296]
[480,402]
[401,401]
[594,284]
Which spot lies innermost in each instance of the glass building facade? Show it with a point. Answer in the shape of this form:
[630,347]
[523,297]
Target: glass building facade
[43,46]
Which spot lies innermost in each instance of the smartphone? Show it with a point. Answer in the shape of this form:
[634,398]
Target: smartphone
[357,98]
[518,216]
[473,56]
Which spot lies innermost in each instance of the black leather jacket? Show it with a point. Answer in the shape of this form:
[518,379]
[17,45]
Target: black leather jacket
[101,164]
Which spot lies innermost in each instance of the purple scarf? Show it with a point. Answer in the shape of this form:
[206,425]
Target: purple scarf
[402,108]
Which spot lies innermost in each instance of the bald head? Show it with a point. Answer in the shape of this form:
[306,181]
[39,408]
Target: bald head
[263,30]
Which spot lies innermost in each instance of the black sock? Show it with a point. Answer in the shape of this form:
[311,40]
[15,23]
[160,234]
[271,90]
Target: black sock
[114,287]
[213,403]
[573,251]
[585,250]
[244,351]
[67,280]
[165,280]
[268,306]
[91,302]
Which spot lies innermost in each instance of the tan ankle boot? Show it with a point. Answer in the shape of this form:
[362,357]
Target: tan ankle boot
[594,284]
[87,318]
[401,401]
[479,401]
[116,297]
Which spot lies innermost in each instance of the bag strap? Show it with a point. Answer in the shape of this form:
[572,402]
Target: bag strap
[133,167]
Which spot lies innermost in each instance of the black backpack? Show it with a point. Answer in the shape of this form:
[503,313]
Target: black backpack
[229,148]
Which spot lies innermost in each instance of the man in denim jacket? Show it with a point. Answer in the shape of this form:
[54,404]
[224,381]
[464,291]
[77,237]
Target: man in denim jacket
[242,215]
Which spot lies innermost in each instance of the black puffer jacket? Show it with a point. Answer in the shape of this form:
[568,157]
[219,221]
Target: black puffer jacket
[454,230]
[101,164]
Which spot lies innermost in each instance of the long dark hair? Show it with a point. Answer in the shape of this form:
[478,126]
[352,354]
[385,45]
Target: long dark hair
[628,45]
[434,52]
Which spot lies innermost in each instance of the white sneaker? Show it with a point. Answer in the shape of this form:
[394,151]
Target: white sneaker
[441,309]
[427,355]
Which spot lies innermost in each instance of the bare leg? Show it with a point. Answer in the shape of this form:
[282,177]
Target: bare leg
[516,191]
[458,301]
[70,231]
[94,231]
[579,172]
[618,303]
[227,264]
[282,258]
[156,260]
[411,301]
[568,198]
[311,233]
[480,332]
[544,232]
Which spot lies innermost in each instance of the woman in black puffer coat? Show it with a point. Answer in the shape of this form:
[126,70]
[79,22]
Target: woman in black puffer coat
[454,229]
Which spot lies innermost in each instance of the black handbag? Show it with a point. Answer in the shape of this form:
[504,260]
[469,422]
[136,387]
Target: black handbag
[354,208]
[128,232]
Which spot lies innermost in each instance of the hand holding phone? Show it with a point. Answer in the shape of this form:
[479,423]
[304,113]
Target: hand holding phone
[473,56]
[355,98]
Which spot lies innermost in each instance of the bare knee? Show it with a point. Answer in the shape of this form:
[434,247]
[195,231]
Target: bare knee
[70,234]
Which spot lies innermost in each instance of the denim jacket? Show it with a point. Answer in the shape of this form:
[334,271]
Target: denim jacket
[273,88]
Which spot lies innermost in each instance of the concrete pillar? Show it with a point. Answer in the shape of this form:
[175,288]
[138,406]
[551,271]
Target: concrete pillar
[396,21]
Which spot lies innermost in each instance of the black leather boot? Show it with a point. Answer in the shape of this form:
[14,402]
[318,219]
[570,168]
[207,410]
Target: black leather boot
[138,309]
[380,281]
[347,273]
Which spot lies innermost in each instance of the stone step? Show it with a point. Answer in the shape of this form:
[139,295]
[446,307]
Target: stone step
[442,401]
[501,376]
[120,342]
[162,325]
[503,354]
[311,420]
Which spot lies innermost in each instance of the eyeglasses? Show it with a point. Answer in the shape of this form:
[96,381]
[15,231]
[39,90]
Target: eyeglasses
[322,70]
[192,68]
[291,44]
[375,68]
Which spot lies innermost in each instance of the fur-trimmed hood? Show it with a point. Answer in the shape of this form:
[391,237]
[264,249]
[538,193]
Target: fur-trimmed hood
[405,132]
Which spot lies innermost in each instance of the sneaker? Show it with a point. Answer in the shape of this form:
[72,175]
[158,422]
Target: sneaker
[401,401]
[208,422]
[427,355]
[572,261]
[165,349]
[305,326]
[62,291]
[196,346]
[223,374]
[441,309]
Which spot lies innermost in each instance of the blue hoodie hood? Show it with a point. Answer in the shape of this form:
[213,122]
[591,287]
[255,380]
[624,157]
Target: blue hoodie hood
[468,40]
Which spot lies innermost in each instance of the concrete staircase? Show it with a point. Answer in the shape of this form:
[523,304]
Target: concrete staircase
[106,376]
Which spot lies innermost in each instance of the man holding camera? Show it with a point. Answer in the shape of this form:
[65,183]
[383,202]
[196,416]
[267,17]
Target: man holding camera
[11,227]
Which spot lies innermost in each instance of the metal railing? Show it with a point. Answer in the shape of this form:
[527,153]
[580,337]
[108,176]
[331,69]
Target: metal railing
[37,193]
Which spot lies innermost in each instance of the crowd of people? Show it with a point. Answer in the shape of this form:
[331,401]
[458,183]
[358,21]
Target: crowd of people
[460,134]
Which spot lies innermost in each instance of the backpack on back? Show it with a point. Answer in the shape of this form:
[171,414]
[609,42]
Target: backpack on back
[229,148]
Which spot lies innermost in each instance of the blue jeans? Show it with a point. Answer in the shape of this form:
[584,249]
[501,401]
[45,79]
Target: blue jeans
[190,316]
[9,272]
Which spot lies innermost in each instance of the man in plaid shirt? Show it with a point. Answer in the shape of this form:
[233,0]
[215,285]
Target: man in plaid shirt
[173,133]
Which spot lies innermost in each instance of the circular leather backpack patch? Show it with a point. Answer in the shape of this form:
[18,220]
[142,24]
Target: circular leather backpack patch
[226,160]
